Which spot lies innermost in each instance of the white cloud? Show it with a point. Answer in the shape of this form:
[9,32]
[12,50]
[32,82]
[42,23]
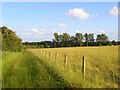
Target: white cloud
[34,34]
[114,11]
[78,13]
[39,31]
[62,25]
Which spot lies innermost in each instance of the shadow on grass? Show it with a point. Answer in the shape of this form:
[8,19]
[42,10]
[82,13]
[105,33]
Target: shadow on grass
[55,79]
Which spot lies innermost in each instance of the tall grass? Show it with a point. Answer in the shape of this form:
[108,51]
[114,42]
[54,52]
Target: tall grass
[24,70]
[34,69]
[101,65]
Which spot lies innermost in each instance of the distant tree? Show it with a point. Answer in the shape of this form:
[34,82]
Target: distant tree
[113,42]
[66,39]
[86,38]
[41,46]
[25,43]
[56,36]
[72,40]
[50,44]
[109,43]
[99,40]
[56,39]
[91,39]
[60,40]
[45,44]
[102,39]
[54,43]
[79,38]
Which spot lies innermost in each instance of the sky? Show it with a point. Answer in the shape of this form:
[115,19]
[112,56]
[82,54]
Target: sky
[60,0]
[37,21]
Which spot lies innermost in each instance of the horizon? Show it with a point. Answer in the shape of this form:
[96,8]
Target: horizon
[37,21]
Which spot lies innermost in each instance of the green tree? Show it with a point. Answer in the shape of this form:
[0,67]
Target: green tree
[66,39]
[56,39]
[109,43]
[72,40]
[60,40]
[10,41]
[102,39]
[91,39]
[99,40]
[79,38]
[41,46]
[113,42]
[54,43]
[86,38]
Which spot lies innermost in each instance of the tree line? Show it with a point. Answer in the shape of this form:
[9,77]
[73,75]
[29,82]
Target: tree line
[11,42]
[65,40]
[79,39]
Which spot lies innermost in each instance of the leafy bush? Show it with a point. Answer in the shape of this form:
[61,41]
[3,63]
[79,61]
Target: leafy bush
[10,41]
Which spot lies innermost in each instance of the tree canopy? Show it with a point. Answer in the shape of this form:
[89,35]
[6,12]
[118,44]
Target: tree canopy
[10,41]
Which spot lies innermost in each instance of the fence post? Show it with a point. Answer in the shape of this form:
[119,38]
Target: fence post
[49,55]
[56,56]
[83,67]
[65,61]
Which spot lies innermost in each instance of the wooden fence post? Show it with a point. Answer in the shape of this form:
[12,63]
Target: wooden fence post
[83,67]
[65,61]
[56,56]
[49,55]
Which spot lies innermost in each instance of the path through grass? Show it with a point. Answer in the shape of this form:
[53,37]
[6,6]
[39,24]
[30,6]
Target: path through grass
[24,70]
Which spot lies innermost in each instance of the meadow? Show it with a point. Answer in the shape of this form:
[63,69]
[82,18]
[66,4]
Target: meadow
[41,68]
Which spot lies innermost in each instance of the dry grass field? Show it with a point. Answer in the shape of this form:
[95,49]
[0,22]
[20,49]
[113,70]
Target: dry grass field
[42,68]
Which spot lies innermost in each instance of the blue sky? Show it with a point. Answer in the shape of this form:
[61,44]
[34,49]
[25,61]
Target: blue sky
[37,21]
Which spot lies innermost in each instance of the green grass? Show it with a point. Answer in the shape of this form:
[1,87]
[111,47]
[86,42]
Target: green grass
[34,69]
[24,70]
